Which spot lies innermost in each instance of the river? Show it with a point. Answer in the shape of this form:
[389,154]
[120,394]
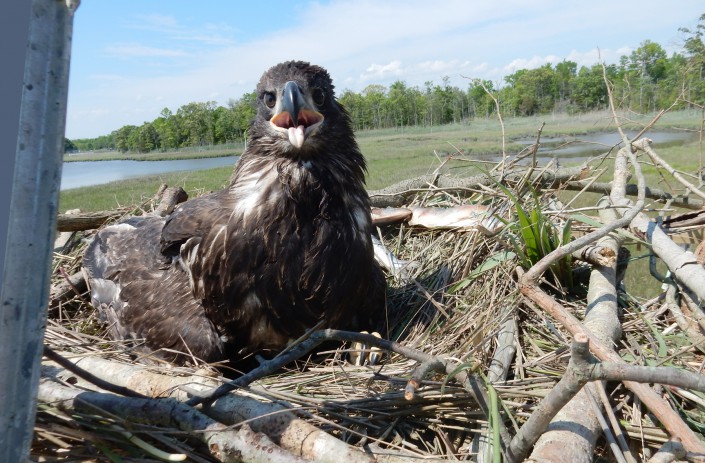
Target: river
[580,148]
[88,173]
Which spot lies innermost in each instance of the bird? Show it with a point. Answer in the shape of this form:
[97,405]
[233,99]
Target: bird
[286,246]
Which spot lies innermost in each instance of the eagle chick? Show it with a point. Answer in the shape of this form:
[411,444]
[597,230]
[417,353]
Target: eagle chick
[246,269]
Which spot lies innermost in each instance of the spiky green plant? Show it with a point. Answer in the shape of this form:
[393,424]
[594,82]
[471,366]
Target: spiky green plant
[533,235]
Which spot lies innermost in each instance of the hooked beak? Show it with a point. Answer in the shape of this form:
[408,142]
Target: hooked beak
[296,115]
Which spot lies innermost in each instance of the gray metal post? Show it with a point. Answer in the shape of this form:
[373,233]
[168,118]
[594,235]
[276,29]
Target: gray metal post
[33,207]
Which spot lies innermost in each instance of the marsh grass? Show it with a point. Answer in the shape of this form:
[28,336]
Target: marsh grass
[133,191]
[395,154]
[200,152]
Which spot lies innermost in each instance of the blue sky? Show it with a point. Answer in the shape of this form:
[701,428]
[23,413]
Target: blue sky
[132,58]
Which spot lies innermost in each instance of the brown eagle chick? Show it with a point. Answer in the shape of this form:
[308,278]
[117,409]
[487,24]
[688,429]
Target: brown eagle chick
[247,269]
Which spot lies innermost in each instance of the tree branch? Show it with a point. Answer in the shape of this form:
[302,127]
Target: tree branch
[225,444]
[528,285]
[399,193]
[583,368]
[277,422]
[632,190]
[573,431]
[658,161]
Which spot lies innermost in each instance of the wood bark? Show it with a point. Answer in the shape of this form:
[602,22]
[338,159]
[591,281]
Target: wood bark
[670,451]
[632,190]
[278,423]
[226,444]
[529,287]
[87,220]
[573,432]
[67,288]
[168,198]
[600,256]
[400,193]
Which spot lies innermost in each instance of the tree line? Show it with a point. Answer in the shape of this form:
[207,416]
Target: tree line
[645,80]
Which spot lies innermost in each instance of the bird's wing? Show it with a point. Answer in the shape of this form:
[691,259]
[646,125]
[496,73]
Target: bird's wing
[194,218]
[141,294]
[125,251]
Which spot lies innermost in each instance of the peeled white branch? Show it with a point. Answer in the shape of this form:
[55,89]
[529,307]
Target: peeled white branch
[528,284]
[670,451]
[682,264]
[574,430]
[658,160]
[280,424]
[225,444]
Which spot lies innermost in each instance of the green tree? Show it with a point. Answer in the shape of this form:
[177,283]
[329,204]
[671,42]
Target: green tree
[122,137]
[69,146]
[481,102]
[145,138]
[243,111]
[197,123]
[643,68]
[565,74]
[694,72]
[224,125]
[374,97]
[398,106]
[417,105]
[588,89]
[533,90]
[168,127]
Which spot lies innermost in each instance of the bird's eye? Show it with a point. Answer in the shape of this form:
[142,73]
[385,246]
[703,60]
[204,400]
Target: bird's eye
[269,99]
[319,97]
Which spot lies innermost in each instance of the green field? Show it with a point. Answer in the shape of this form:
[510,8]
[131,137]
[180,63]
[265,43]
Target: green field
[393,154]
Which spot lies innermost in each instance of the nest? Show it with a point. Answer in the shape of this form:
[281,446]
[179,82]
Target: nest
[449,304]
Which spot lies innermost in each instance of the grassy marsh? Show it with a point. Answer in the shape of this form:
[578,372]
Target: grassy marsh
[396,154]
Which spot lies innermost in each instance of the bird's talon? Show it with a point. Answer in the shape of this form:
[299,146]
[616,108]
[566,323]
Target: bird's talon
[361,354]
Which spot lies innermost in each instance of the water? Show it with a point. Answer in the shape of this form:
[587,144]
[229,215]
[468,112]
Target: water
[580,148]
[80,174]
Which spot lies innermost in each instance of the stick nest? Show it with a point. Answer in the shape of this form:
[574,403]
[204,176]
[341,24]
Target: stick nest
[447,307]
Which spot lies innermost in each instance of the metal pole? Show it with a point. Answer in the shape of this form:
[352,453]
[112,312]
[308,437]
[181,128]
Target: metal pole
[33,208]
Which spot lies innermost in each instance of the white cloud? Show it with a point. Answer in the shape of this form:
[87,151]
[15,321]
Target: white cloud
[169,27]
[382,71]
[441,66]
[155,22]
[134,50]
[530,63]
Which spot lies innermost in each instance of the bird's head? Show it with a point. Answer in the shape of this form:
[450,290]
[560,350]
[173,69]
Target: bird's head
[295,102]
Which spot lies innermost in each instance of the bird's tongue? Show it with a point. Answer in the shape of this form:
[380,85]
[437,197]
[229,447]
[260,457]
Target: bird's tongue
[296,136]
